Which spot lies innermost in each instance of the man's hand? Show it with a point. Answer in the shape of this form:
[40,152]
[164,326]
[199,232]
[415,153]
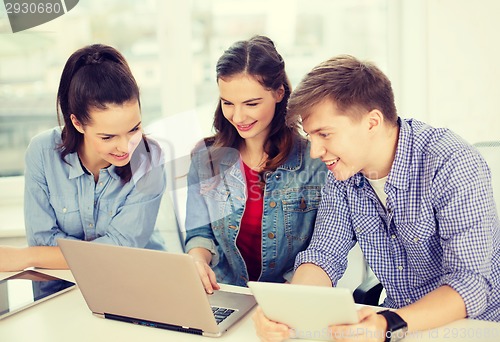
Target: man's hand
[267,330]
[371,328]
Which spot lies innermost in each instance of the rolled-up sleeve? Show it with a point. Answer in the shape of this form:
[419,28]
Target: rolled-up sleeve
[199,232]
[39,217]
[466,214]
[332,237]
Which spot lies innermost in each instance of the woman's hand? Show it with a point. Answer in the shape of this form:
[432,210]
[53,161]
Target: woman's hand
[12,259]
[207,276]
[202,258]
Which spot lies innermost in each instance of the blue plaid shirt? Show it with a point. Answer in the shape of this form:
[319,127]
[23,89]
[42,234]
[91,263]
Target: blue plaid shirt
[440,228]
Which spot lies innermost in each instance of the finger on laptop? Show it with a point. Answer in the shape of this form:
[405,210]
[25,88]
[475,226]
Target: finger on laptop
[207,276]
[213,278]
[267,330]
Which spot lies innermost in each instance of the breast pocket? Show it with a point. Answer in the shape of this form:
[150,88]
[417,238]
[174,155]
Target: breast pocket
[300,207]
[67,212]
[218,205]
[370,233]
[422,247]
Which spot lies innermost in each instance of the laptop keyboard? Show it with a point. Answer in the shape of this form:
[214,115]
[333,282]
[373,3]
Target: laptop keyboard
[221,313]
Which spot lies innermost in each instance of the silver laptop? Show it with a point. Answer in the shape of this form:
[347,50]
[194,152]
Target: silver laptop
[151,288]
[307,310]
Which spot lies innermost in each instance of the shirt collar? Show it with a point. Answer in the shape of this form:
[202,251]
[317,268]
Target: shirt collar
[76,168]
[399,176]
[293,162]
[112,172]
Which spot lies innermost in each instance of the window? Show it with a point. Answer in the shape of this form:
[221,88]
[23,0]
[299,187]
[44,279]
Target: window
[174,74]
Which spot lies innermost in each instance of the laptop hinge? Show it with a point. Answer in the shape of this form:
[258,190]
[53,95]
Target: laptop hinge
[152,324]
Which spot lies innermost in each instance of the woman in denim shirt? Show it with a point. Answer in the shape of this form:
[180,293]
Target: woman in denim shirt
[253,190]
[98,178]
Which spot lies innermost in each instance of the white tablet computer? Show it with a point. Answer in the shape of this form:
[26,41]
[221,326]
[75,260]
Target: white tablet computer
[308,310]
[28,288]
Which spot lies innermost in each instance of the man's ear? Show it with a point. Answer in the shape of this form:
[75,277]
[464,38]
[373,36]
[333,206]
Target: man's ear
[375,119]
[78,126]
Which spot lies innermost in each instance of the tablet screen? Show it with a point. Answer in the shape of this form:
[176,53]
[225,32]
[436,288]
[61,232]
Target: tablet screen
[27,288]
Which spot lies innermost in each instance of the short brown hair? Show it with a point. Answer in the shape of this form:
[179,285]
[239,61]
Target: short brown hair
[346,81]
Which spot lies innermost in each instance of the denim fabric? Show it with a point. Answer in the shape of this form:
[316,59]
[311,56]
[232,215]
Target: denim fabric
[216,204]
[61,200]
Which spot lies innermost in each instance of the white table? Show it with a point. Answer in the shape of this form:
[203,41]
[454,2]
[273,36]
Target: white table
[67,318]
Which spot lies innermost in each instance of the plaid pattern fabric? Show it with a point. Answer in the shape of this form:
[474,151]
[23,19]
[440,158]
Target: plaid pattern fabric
[440,228]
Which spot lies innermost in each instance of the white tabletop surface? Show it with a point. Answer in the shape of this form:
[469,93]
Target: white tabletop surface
[67,318]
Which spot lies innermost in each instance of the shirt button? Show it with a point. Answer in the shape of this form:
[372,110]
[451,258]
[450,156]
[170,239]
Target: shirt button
[415,239]
[65,210]
[408,301]
[271,235]
[358,230]
[393,236]
[100,183]
[272,204]
[91,225]
[400,268]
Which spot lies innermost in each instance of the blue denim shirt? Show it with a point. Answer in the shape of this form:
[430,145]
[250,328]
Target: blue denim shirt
[215,207]
[61,200]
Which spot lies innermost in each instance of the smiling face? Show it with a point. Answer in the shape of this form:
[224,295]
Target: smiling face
[342,142]
[248,106]
[111,136]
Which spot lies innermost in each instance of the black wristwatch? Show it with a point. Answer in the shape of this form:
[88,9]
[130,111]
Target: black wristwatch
[396,326]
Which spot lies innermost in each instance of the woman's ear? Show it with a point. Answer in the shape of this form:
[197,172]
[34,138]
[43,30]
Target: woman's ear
[78,126]
[279,94]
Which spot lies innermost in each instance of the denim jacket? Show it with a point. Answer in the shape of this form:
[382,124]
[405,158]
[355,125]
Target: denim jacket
[216,203]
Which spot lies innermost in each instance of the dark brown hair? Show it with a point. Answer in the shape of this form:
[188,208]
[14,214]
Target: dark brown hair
[258,58]
[349,83]
[93,77]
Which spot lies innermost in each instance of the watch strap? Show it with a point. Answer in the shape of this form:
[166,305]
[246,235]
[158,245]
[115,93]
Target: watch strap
[396,326]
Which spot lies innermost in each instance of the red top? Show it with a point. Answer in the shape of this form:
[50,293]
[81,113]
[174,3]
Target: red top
[249,240]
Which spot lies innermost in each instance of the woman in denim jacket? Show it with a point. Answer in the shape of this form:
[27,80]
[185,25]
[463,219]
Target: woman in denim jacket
[253,190]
